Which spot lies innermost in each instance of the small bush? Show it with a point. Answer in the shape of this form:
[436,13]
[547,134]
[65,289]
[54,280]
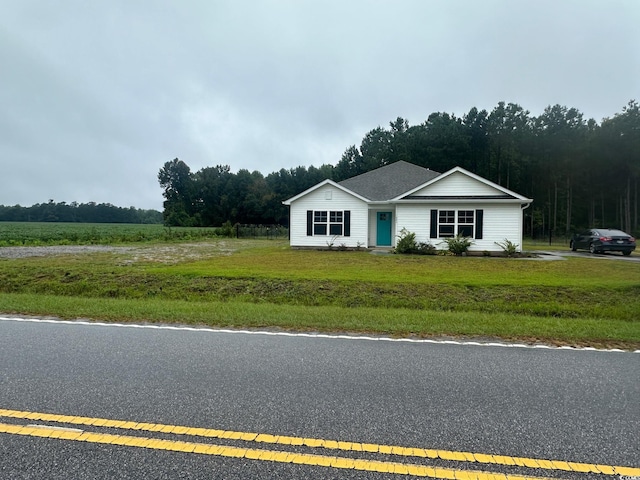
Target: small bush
[331,242]
[407,244]
[425,248]
[458,245]
[226,230]
[508,247]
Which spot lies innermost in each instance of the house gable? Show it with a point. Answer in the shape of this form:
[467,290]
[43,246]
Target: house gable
[460,184]
[326,186]
[328,213]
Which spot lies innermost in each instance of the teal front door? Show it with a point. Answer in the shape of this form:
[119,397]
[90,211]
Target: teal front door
[383,229]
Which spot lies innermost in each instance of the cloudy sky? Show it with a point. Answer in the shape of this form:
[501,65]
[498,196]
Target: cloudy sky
[95,96]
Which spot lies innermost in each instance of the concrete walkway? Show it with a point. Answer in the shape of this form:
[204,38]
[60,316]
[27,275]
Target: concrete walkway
[549,255]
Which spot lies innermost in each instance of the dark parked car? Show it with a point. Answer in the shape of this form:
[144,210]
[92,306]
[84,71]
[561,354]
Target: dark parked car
[599,240]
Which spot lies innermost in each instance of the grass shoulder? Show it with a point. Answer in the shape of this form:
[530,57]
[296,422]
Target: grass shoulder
[265,284]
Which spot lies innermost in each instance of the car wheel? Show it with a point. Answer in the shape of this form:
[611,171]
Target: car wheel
[592,248]
[572,244]
[626,253]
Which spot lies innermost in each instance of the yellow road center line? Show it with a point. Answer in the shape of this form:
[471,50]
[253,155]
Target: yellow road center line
[332,444]
[257,454]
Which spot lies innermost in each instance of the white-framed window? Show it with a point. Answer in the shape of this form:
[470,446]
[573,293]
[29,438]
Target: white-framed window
[320,222]
[455,222]
[466,223]
[335,223]
[328,222]
[446,223]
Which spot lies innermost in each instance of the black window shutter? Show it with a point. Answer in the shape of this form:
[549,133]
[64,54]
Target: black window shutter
[347,223]
[434,224]
[309,223]
[479,216]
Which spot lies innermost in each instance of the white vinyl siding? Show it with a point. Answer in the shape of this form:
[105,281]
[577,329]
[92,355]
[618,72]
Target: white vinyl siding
[328,199]
[415,218]
[457,184]
[499,221]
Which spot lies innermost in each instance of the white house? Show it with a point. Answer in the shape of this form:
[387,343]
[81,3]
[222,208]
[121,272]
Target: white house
[370,210]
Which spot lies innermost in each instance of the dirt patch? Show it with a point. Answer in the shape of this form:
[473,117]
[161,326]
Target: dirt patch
[168,254]
[24,252]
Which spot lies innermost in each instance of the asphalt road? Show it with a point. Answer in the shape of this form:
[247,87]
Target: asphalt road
[554,404]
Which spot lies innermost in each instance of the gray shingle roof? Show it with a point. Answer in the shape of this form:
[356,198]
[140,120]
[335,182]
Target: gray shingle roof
[388,182]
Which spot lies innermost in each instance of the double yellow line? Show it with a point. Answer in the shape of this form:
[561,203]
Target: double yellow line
[75,434]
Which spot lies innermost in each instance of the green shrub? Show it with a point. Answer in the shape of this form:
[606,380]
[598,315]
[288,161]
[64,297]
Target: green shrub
[332,241]
[407,244]
[425,248]
[226,230]
[458,245]
[508,247]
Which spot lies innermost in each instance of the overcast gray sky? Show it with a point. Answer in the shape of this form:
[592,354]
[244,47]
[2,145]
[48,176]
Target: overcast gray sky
[95,96]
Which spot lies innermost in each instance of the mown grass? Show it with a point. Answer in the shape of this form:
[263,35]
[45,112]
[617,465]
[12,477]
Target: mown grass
[389,321]
[276,260]
[266,284]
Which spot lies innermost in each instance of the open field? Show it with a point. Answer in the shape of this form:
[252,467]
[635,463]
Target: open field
[265,284]
[50,233]
[54,233]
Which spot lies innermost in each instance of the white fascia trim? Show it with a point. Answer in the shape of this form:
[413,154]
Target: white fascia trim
[462,200]
[322,184]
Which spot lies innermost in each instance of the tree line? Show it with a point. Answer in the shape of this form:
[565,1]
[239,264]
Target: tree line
[78,212]
[579,173]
